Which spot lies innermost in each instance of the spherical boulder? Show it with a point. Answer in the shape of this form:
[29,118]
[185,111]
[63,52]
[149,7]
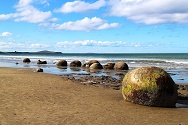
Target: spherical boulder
[75,63]
[91,62]
[109,65]
[88,64]
[61,63]
[121,66]
[96,66]
[150,86]
[26,60]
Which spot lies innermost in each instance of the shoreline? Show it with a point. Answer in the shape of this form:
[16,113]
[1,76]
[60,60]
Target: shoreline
[29,97]
[179,76]
[175,66]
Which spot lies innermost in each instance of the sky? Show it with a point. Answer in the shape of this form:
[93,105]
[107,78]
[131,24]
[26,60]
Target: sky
[94,26]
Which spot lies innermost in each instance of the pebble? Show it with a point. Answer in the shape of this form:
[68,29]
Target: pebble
[97,81]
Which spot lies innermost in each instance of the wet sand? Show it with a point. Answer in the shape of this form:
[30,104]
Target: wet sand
[28,97]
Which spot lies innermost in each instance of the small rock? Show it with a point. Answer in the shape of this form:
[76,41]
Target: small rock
[39,70]
[41,62]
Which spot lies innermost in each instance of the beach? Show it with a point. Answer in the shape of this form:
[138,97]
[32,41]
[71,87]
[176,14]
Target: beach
[29,97]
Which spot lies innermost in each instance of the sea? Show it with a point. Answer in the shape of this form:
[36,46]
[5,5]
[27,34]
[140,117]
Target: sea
[176,64]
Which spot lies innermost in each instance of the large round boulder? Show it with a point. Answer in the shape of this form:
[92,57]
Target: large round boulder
[75,63]
[61,63]
[121,66]
[88,64]
[26,60]
[96,66]
[91,62]
[109,65]
[151,86]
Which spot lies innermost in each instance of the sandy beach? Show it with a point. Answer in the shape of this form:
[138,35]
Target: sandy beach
[28,97]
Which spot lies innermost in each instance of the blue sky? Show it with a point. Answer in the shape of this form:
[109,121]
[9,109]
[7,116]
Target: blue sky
[100,26]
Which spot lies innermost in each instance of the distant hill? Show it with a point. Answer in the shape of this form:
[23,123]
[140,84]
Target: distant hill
[39,52]
[46,51]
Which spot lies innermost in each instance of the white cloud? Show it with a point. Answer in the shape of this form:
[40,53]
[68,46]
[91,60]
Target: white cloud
[25,11]
[2,43]
[44,2]
[5,34]
[12,46]
[81,46]
[5,16]
[31,14]
[80,6]
[48,22]
[23,3]
[98,43]
[86,24]
[151,11]
[6,45]
[37,45]
[108,26]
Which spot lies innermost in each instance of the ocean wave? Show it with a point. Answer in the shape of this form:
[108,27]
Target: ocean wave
[133,60]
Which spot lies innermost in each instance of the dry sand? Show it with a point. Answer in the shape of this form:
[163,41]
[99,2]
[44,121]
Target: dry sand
[28,97]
